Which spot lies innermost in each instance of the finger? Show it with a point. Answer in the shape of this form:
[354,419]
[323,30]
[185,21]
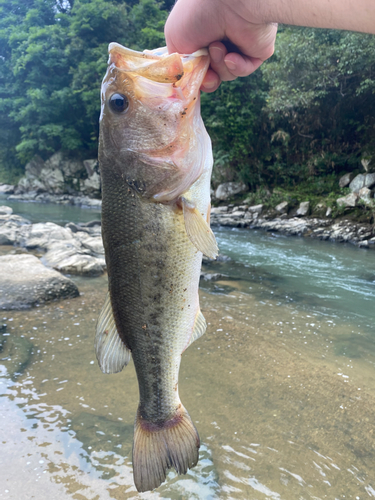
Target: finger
[210,82]
[240,65]
[218,52]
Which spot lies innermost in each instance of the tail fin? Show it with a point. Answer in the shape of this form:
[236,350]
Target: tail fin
[156,448]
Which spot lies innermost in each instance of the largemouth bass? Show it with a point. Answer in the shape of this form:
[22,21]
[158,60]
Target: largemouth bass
[155,160]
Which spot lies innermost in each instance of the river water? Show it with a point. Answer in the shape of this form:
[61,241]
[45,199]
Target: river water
[281,387]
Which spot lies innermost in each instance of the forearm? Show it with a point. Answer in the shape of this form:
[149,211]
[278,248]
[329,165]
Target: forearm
[358,15]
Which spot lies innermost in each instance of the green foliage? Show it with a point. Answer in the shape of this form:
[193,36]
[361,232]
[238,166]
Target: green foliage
[53,58]
[298,123]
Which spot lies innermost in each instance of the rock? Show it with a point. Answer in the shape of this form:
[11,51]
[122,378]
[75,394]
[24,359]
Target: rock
[319,209]
[303,209]
[364,194]
[369,180]
[8,235]
[5,210]
[11,227]
[363,244]
[71,258]
[210,276]
[255,209]
[53,180]
[282,207]
[31,195]
[357,183]
[229,189]
[25,282]
[92,223]
[85,201]
[31,181]
[14,220]
[345,179]
[219,210]
[6,189]
[41,235]
[329,212]
[92,185]
[91,166]
[16,355]
[349,200]
[95,245]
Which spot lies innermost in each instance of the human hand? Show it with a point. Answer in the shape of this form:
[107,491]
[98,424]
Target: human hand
[194,24]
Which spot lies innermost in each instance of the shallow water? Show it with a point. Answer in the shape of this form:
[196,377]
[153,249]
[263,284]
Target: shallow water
[51,212]
[281,387]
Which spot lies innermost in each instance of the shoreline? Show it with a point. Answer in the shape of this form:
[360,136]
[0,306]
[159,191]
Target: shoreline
[336,230]
[339,230]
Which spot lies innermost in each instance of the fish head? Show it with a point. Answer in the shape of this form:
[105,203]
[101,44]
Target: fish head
[151,131]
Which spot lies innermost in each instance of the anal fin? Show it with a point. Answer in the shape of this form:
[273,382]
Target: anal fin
[198,231]
[111,352]
[199,328]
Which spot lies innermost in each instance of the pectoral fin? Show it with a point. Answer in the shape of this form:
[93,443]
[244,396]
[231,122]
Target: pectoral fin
[111,352]
[198,231]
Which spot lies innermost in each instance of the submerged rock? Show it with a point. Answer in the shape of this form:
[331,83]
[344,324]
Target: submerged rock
[16,353]
[25,282]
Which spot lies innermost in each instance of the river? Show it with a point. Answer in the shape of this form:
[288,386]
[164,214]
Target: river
[281,387]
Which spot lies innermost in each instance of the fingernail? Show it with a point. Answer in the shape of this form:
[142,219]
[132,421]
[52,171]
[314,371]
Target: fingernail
[230,64]
[216,54]
[209,85]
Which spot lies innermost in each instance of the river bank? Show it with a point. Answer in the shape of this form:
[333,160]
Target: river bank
[340,229]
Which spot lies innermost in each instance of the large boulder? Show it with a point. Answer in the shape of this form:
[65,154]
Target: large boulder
[73,258]
[303,209]
[365,195]
[349,201]
[361,181]
[60,174]
[6,189]
[357,183]
[92,185]
[53,180]
[4,210]
[282,207]
[41,235]
[11,227]
[32,180]
[369,180]
[25,282]
[345,180]
[229,189]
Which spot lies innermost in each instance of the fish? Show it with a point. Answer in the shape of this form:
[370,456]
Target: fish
[155,160]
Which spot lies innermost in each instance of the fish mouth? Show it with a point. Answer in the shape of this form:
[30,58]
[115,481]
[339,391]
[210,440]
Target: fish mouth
[178,75]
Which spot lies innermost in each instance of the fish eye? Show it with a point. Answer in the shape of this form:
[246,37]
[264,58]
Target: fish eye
[118,103]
